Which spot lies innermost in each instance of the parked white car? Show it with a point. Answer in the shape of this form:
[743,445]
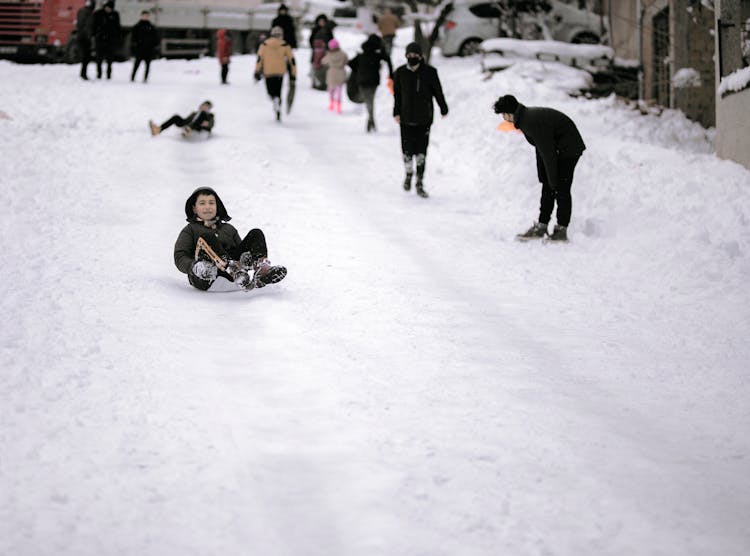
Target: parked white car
[466,23]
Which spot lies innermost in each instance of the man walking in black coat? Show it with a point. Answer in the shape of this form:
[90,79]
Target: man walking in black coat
[143,42]
[107,32]
[414,86]
[285,21]
[558,147]
[84,32]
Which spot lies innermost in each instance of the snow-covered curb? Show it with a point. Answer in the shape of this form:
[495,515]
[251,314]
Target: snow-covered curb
[735,81]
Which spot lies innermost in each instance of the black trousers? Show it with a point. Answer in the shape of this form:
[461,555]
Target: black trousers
[254,243]
[565,167]
[224,72]
[368,94]
[105,52]
[84,49]
[414,139]
[414,142]
[138,60]
[273,85]
[195,124]
[175,120]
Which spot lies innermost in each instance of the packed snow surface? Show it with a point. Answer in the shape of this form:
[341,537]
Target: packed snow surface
[421,383]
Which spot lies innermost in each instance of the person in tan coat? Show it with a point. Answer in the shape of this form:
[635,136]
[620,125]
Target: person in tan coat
[275,58]
[336,60]
[387,25]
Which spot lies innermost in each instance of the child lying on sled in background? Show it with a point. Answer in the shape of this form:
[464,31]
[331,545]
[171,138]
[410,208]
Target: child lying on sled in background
[241,261]
[200,120]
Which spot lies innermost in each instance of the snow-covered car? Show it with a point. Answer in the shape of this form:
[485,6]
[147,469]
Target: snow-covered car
[466,23]
[342,12]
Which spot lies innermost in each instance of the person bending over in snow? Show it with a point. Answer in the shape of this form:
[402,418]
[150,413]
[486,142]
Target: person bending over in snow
[241,261]
[558,147]
[275,58]
[200,120]
[414,86]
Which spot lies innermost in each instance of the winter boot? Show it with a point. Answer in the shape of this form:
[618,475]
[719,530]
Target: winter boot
[155,129]
[240,276]
[338,106]
[560,233]
[266,274]
[420,189]
[277,108]
[537,231]
[407,182]
[370,126]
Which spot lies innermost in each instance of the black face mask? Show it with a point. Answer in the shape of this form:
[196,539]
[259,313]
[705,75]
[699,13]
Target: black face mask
[413,62]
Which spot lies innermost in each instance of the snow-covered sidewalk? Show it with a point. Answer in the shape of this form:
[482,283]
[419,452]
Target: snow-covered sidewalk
[420,383]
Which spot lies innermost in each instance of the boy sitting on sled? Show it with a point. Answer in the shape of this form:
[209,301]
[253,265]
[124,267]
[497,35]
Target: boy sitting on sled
[209,247]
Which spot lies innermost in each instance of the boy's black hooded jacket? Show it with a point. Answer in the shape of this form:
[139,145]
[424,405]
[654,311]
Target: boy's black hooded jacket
[552,133]
[413,91]
[220,234]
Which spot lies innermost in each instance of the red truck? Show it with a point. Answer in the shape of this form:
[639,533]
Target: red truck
[37,30]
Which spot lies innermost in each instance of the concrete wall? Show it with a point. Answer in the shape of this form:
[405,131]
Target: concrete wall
[733,110]
[733,127]
[623,24]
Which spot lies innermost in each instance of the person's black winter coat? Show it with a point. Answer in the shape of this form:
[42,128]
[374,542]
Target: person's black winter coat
[286,22]
[144,38]
[107,28]
[85,23]
[553,135]
[413,91]
[321,33]
[367,64]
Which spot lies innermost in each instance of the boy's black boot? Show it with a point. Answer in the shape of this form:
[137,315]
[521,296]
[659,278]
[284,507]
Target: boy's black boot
[560,233]
[537,231]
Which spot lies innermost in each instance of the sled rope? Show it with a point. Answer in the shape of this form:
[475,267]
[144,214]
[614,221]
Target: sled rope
[206,248]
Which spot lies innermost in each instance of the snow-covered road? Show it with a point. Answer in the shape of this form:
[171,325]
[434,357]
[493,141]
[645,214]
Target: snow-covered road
[420,384]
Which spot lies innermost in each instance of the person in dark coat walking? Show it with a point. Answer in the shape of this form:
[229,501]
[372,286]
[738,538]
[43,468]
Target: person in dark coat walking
[366,66]
[84,33]
[415,85]
[208,219]
[107,32]
[558,147]
[144,38]
[285,21]
[200,120]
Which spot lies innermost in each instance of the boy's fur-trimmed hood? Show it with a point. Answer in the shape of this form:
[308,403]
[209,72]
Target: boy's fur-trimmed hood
[221,212]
